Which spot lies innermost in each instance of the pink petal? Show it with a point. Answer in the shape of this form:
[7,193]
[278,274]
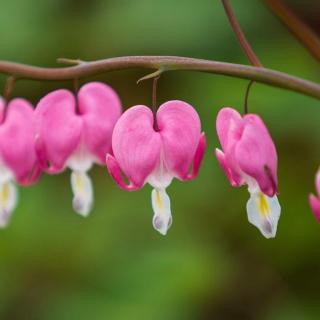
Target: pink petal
[100,108]
[58,128]
[315,206]
[256,154]
[17,141]
[136,145]
[179,126]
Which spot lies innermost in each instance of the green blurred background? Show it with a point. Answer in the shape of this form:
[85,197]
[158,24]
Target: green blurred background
[212,264]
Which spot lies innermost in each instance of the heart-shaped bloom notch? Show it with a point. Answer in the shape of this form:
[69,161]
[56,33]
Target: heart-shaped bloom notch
[314,200]
[18,161]
[249,157]
[156,156]
[76,132]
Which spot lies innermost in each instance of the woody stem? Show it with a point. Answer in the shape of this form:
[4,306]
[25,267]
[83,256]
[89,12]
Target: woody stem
[165,63]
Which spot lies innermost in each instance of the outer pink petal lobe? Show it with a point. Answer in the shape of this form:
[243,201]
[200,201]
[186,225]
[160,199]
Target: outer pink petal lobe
[229,127]
[17,140]
[58,129]
[136,145]
[180,129]
[99,108]
[256,154]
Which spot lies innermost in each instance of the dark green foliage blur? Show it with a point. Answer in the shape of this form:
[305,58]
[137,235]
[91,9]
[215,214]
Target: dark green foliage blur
[56,265]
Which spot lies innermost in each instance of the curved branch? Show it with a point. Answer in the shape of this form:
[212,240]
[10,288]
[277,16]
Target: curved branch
[165,63]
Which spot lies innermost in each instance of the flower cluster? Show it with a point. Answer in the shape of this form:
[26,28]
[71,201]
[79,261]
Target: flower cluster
[75,131]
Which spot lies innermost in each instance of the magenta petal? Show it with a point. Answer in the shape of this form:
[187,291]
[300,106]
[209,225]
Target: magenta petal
[116,174]
[58,128]
[2,109]
[198,156]
[315,206]
[179,126]
[41,153]
[256,154]
[229,126]
[42,157]
[100,108]
[223,163]
[33,175]
[17,140]
[136,145]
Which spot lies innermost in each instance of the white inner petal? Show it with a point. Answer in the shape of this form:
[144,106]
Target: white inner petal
[82,192]
[81,159]
[160,178]
[5,173]
[253,186]
[264,213]
[162,218]
[8,202]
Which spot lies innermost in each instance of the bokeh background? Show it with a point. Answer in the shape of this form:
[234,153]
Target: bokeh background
[212,264]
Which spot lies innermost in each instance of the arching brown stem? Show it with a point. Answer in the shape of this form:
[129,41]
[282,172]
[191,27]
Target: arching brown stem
[165,63]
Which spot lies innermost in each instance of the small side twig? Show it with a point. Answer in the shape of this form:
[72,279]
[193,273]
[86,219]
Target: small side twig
[70,61]
[152,75]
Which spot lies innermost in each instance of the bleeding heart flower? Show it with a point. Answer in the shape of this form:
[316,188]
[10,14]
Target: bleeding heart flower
[18,161]
[155,151]
[76,132]
[249,157]
[314,201]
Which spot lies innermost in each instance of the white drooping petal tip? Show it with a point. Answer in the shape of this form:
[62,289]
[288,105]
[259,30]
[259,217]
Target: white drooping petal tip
[264,213]
[82,193]
[8,202]
[4,218]
[162,219]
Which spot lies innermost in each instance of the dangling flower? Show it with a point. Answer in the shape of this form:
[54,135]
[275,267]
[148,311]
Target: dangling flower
[155,150]
[249,157]
[18,162]
[76,132]
[314,201]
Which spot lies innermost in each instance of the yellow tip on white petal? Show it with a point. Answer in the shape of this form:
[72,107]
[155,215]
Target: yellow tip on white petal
[82,192]
[264,213]
[162,218]
[8,202]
